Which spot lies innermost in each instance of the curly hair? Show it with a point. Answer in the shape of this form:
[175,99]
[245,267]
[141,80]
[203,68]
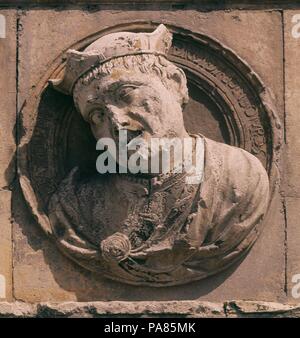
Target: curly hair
[143,63]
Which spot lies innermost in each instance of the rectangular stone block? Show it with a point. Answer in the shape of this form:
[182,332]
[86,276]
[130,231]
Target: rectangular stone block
[292,155]
[292,101]
[8,96]
[5,246]
[41,272]
[293,250]
[7,143]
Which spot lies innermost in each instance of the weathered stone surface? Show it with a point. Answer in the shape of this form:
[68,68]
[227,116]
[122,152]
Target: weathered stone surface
[113,309]
[5,246]
[128,309]
[7,145]
[8,99]
[230,27]
[17,310]
[166,198]
[293,239]
[182,309]
[261,274]
[292,102]
[292,154]
[261,309]
[239,4]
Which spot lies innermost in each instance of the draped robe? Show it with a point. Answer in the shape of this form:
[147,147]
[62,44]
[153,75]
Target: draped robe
[194,231]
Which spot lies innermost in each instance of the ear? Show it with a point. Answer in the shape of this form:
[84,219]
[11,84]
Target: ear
[179,85]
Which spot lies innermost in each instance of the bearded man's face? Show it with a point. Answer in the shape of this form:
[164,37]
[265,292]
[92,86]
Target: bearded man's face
[137,102]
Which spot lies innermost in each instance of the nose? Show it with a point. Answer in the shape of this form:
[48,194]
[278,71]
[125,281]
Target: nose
[121,120]
[118,117]
[125,123]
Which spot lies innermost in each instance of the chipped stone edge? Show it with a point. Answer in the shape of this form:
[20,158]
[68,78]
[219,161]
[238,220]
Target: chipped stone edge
[140,309]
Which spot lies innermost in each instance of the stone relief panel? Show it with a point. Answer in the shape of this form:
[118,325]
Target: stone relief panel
[155,231]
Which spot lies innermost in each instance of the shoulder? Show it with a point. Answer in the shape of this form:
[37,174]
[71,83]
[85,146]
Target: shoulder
[236,168]
[233,157]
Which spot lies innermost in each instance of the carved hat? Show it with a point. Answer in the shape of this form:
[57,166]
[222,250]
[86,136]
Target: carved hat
[109,47]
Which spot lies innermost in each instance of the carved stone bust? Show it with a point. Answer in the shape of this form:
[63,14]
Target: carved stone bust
[151,229]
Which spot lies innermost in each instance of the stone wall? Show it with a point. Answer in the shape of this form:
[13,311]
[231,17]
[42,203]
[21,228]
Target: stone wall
[35,278]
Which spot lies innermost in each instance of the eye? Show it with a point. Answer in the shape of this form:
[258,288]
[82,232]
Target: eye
[126,93]
[97,116]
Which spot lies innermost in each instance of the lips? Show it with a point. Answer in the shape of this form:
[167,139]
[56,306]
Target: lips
[133,128]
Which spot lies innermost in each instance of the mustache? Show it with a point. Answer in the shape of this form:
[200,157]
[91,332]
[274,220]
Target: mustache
[133,122]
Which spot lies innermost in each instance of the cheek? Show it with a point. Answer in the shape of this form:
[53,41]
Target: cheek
[148,99]
[152,106]
[172,118]
[161,104]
